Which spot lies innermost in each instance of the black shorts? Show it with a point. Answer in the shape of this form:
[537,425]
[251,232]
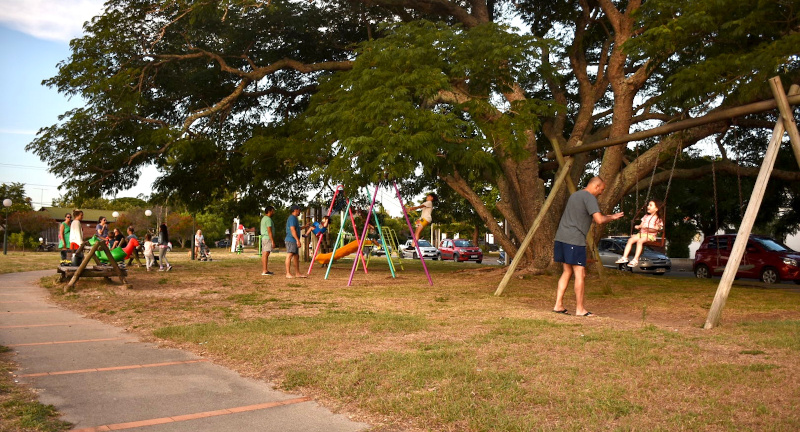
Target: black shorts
[569,254]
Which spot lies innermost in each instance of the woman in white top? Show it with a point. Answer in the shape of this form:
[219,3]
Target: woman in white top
[76,230]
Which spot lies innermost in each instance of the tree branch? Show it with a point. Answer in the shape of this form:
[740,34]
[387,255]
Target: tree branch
[725,166]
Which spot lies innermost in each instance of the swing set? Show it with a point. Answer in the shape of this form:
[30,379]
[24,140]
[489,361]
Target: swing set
[785,123]
[387,237]
[661,237]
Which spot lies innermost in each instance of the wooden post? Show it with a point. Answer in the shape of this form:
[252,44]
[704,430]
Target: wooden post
[757,107]
[786,113]
[550,198]
[113,262]
[749,218]
[83,265]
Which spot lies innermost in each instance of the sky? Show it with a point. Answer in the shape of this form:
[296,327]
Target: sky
[34,38]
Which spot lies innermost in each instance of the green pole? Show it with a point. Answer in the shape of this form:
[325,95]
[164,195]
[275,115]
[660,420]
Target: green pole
[338,239]
[383,243]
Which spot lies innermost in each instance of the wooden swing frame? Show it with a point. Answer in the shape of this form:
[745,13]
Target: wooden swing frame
[785,123]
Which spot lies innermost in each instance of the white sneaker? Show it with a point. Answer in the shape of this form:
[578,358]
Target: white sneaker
[633,263]
[621,260]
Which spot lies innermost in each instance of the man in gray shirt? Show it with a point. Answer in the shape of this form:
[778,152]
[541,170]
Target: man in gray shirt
[570,243]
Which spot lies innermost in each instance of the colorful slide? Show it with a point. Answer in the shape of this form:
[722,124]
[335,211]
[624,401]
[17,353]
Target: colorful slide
[341,252]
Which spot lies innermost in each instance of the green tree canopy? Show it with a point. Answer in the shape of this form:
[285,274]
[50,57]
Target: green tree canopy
[247,102]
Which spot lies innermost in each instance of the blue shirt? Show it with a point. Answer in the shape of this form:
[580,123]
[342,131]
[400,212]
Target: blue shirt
[292,222]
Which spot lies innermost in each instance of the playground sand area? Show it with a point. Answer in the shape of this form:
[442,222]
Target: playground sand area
[401,354]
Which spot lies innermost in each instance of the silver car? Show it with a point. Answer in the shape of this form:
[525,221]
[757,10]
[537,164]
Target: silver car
[650,261]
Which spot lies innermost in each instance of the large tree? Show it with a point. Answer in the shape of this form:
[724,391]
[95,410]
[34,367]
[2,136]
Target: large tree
[218,95]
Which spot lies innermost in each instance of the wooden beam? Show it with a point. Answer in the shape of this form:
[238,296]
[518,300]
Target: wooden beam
[786,114]
[560,179]
[725,114]
[737,252]
[83,265]
[113,262]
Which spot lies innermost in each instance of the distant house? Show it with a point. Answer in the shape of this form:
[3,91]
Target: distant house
[89,223]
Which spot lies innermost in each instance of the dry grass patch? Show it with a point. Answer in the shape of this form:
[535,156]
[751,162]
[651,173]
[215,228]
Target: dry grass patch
[404,355]
[16,262]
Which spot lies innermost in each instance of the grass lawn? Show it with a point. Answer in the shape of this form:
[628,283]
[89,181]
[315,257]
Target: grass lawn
[403,355]
[28,261]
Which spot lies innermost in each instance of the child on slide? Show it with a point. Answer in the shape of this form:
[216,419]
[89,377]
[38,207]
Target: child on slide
[652,223]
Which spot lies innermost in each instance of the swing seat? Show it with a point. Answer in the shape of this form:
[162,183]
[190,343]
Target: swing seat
[659,242]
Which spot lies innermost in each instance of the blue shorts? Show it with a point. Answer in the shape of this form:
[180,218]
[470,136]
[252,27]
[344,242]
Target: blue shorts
[291,247]
[569,254]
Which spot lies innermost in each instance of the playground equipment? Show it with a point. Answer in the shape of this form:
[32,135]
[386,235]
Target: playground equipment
[360,245]
[340,252]
[361,241]
[100,270]
[117,253]
[785,123]
[383,240]
[661,236]
[390,244]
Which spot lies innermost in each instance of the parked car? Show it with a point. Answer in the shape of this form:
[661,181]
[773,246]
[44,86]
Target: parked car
[428,251]
[222,243]
[378,250]
[460,250]
[764,258]
[650,261]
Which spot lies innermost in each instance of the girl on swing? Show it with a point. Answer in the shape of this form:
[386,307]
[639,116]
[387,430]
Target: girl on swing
[652,223]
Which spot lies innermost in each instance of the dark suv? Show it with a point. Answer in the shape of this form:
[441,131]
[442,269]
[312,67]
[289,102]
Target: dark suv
[764,258]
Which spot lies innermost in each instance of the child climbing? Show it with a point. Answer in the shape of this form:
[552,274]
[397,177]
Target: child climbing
[652,223]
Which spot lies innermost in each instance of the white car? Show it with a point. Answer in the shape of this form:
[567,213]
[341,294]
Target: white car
[428,251]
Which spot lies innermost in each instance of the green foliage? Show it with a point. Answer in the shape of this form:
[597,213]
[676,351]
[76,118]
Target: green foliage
[16,193]
[720,48]
[217,96]
[213,226]
[155,76]
[404,106]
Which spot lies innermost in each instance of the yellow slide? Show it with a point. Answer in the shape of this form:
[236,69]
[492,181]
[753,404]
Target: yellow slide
[341,252]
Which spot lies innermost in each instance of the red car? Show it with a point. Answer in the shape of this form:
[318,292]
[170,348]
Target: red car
[764,258]
[460,250]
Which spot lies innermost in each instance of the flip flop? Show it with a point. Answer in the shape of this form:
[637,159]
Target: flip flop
[587,314]
[564,311]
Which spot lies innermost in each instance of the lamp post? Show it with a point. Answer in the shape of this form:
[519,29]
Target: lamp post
[148,213]
[6,203]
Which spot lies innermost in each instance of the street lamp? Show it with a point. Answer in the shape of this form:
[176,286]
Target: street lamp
[6,203]
[115,215]
[148,213]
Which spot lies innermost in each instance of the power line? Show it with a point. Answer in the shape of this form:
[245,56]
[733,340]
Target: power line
[30,184]
[23,166]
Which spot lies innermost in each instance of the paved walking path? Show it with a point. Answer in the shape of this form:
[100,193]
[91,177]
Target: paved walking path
[101,378]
